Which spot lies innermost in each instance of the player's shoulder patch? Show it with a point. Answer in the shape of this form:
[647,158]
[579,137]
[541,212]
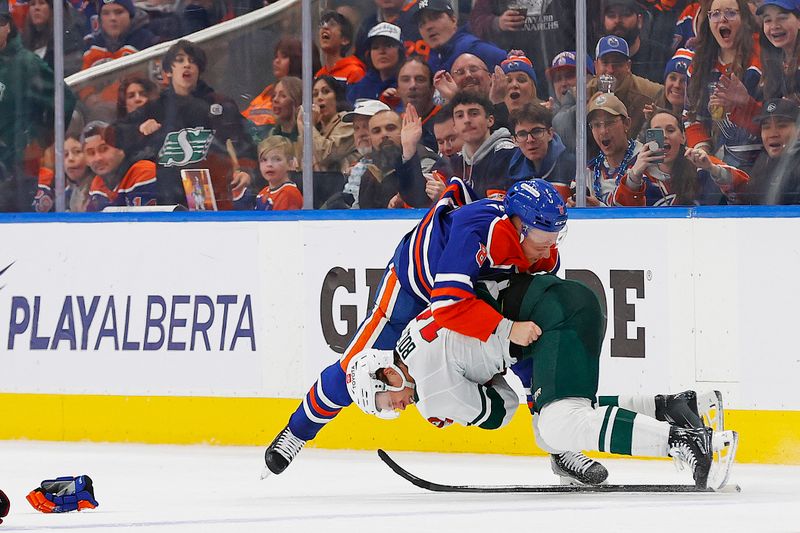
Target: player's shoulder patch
[480,257]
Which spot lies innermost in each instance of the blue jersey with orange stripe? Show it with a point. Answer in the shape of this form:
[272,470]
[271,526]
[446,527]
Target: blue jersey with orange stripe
[685,27]
[137,188]
[460,241]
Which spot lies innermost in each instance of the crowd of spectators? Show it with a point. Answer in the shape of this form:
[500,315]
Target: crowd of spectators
[689,103]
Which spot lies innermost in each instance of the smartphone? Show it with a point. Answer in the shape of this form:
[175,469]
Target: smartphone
[657,135]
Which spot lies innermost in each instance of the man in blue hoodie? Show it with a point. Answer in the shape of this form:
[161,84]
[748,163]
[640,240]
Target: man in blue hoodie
[439,28]
[541,153]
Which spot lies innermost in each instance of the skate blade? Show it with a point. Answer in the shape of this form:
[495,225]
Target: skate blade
[709,406]
[725,444]
[266,473]
[572,482]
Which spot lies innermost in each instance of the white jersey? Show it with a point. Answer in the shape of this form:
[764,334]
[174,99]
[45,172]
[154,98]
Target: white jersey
[458,378]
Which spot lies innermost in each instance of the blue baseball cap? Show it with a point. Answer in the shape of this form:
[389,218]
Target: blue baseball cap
[611,44]
[788,5]
[568,60]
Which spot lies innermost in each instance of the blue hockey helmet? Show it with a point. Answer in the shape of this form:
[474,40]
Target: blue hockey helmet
[538,205]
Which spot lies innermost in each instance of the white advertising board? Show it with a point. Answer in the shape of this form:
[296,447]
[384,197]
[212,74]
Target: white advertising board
[162,309]
[258,308]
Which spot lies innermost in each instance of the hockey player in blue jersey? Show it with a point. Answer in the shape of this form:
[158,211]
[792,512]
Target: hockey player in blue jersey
[459,242]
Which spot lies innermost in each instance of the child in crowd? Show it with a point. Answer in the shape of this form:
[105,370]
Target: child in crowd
[275,155]
[76,186]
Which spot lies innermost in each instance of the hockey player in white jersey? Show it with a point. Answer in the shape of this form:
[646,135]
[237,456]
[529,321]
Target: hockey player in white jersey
[453,378]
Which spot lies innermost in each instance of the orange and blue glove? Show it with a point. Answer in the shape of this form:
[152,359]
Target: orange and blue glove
[63,494]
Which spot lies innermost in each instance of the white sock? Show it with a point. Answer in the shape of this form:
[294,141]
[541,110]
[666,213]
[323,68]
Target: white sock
[639,403]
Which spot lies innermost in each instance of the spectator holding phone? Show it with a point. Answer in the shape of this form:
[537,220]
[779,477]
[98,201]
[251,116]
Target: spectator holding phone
[610,125]
[666,173]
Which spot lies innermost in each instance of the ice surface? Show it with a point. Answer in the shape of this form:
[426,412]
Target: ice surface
[217,489]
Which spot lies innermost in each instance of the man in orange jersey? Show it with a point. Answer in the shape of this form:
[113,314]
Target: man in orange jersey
[118,180]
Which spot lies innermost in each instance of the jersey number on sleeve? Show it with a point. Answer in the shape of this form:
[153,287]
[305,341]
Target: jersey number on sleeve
[430,331]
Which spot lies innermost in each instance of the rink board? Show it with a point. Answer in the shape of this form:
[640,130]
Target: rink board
[181,330]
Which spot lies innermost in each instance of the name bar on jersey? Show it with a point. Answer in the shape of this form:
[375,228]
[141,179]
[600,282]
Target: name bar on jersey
[179,322]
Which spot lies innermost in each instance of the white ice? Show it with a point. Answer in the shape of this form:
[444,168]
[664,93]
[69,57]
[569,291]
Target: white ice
[217,489]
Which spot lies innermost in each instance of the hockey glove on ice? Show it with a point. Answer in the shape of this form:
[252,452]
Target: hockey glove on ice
[63,494]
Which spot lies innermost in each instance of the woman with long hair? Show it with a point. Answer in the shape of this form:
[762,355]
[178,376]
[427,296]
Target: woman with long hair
[726,49]
[287,99]
[675,174]
[780,48]
[675,81]
[287,61]
[334,143]
[37,34]
[780,54]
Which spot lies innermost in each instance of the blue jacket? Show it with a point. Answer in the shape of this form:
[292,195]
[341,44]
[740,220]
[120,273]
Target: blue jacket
[461,43]
[558,165]
[486,171]
[370,86]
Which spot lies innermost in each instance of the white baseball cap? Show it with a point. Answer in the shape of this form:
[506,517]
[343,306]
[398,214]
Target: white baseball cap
[385,29]
[365,107]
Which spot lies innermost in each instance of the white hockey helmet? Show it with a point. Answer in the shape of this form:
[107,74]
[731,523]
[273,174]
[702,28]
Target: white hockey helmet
[366,390]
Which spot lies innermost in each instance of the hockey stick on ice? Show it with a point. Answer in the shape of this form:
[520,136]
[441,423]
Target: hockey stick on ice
[438,487]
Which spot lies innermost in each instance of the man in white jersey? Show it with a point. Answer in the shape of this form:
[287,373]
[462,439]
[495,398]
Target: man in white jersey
[453,378]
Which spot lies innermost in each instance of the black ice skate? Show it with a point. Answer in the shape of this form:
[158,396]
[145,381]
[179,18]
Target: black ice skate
[574,468]
[281,452]
[691,410]
[692,447]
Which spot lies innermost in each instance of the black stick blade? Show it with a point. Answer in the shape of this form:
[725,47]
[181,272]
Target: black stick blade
[439,487]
